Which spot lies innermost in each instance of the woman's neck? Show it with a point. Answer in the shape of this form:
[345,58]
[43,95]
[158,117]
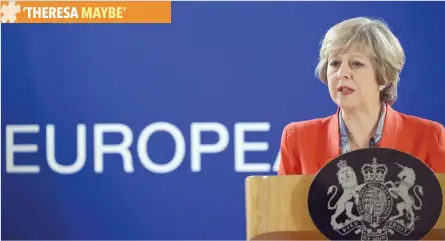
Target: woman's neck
[361,124]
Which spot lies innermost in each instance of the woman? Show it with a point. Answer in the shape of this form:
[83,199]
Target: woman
[360,61]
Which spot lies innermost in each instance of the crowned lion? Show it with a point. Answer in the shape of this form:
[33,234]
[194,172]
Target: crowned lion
[348,181]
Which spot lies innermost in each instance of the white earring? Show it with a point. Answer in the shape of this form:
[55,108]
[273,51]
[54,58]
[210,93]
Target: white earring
[381,87]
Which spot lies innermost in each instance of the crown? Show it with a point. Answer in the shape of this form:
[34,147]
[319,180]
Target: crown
[342,164]
[375,172]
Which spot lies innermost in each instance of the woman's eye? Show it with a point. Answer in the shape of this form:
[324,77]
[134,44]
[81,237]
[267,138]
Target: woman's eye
[357,64]
[333,63]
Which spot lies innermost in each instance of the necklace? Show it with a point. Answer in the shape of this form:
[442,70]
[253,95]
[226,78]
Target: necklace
[351,142]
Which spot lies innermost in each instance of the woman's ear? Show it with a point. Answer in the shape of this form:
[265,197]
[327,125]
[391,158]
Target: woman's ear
[382,87]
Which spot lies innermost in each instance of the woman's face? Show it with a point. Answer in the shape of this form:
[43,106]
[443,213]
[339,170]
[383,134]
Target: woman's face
[351,79]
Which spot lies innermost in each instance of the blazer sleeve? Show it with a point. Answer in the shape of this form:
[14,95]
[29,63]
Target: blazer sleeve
[436,155]
[289,164]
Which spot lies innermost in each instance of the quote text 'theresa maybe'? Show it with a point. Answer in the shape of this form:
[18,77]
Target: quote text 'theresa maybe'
[86,12]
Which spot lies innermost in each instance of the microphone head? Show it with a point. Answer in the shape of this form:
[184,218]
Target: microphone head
[372,142]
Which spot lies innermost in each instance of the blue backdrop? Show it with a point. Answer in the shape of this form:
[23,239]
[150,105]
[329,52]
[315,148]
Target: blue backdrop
[222,78]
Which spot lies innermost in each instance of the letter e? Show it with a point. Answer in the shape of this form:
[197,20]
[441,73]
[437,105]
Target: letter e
[241,147]
[12,148]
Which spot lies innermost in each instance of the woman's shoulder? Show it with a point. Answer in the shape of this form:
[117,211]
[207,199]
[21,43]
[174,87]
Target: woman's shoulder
[412,121]
[430,130]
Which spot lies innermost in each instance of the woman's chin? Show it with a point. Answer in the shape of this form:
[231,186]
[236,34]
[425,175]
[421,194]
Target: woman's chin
[346,104]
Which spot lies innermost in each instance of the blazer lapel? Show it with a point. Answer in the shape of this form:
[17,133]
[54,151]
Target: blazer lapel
[390,128]
[333,138]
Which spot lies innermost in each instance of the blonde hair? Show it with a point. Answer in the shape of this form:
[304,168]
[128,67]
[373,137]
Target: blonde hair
[376,37]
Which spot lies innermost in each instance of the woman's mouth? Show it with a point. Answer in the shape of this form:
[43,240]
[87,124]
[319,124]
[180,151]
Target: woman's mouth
[345,90]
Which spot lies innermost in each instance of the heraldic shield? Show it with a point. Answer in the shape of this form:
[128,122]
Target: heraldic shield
[375,194]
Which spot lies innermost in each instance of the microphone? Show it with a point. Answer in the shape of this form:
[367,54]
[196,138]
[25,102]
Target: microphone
[372,142]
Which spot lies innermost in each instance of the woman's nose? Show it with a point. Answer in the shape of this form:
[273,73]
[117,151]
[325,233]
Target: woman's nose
[344,72]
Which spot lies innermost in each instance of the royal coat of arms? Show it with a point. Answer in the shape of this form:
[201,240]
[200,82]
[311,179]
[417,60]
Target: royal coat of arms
[374,201]
[392,196]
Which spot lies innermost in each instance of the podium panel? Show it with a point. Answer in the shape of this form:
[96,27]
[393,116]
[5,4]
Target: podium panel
[277,209]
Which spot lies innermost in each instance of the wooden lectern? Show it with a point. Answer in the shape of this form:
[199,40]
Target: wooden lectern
[277,209]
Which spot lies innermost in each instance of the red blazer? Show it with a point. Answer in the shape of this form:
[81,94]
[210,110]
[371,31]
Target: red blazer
[306,146]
